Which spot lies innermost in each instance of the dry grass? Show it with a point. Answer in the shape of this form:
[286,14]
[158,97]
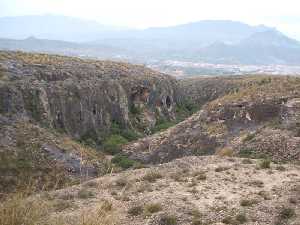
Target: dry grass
[225,152]
[152,176]
[17,210]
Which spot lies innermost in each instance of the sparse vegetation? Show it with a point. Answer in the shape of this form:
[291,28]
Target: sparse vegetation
[113,143]
[161,125]
[135,210]
[123,161]
[247,161]
[168,220]
[249,137]
[17,210]
[221,168]
[85,193]
[60,205]
[223,188]
[241,218]
[225,152]
[248,202]
[286,213]
[265,164]
[152,176]
[153,208]
[121,182]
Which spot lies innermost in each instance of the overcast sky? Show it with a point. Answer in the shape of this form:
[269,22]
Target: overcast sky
[283,14]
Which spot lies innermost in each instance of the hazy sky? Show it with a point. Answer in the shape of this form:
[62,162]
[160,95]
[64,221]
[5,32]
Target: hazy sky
[283,14]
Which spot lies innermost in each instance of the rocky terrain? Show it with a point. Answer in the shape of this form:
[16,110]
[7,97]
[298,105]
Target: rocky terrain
[191,190]
[47,100]
[259,115]
[87,142]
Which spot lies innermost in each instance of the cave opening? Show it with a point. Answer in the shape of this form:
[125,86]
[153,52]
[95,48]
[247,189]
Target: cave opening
[168,101]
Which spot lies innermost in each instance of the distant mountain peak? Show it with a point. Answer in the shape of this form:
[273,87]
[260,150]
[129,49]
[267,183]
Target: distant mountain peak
[271,37]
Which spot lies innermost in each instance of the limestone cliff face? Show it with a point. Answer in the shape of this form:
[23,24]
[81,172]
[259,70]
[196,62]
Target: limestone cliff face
[83,97]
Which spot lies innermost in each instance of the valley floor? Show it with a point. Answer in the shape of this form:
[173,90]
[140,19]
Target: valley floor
[191,190]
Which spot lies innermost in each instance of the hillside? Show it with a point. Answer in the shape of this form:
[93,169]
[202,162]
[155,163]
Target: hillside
[254,116]
[90,142]
[32,44]
[189,191]
[58,110]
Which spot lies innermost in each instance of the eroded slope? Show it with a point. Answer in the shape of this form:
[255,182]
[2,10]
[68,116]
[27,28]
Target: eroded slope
[260,117]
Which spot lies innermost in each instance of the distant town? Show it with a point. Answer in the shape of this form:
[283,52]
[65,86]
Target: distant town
[184,68]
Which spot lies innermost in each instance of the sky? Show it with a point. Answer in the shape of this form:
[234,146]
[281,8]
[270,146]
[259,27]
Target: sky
[282,14]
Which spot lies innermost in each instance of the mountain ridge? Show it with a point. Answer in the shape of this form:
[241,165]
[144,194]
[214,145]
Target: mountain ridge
[212,41]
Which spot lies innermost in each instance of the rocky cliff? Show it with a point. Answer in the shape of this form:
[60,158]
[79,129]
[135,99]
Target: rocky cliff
[257,116]
[48,100]
[84,97]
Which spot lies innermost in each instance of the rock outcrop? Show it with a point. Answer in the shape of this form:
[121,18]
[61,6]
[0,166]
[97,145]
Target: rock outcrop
[262,107]
[83,97]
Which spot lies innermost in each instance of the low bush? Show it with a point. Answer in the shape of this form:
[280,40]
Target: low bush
[265,164]
[286,213]
[241,218]
[123,161]
[135,210]
[152,176]
[84,193]
[168,220]
[225,152]
[153,208]
[248,202]
[113,143]
[162,125]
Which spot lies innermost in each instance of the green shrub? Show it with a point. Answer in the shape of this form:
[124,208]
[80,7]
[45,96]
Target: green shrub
[113,143]
[228,220]
[286,213]
[246,153]
[122,161]
[130,135]
[153,208]
[168,220]
[162,125]
[251,153]
[241,218]
[222,168]
[248,202]
[121,182]
[265,164]
[83,193]
[135,110]
[152,176]
[135,210]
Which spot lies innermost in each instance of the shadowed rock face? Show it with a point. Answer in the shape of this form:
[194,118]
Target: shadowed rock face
[83,97]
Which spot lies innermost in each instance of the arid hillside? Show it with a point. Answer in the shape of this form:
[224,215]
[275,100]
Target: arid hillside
[256,116]
[86,142]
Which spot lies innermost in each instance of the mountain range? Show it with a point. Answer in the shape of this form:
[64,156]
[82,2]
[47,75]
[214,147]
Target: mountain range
[212,41]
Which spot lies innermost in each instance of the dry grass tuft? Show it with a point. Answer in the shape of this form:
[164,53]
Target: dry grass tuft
[225,152]
[17,210]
